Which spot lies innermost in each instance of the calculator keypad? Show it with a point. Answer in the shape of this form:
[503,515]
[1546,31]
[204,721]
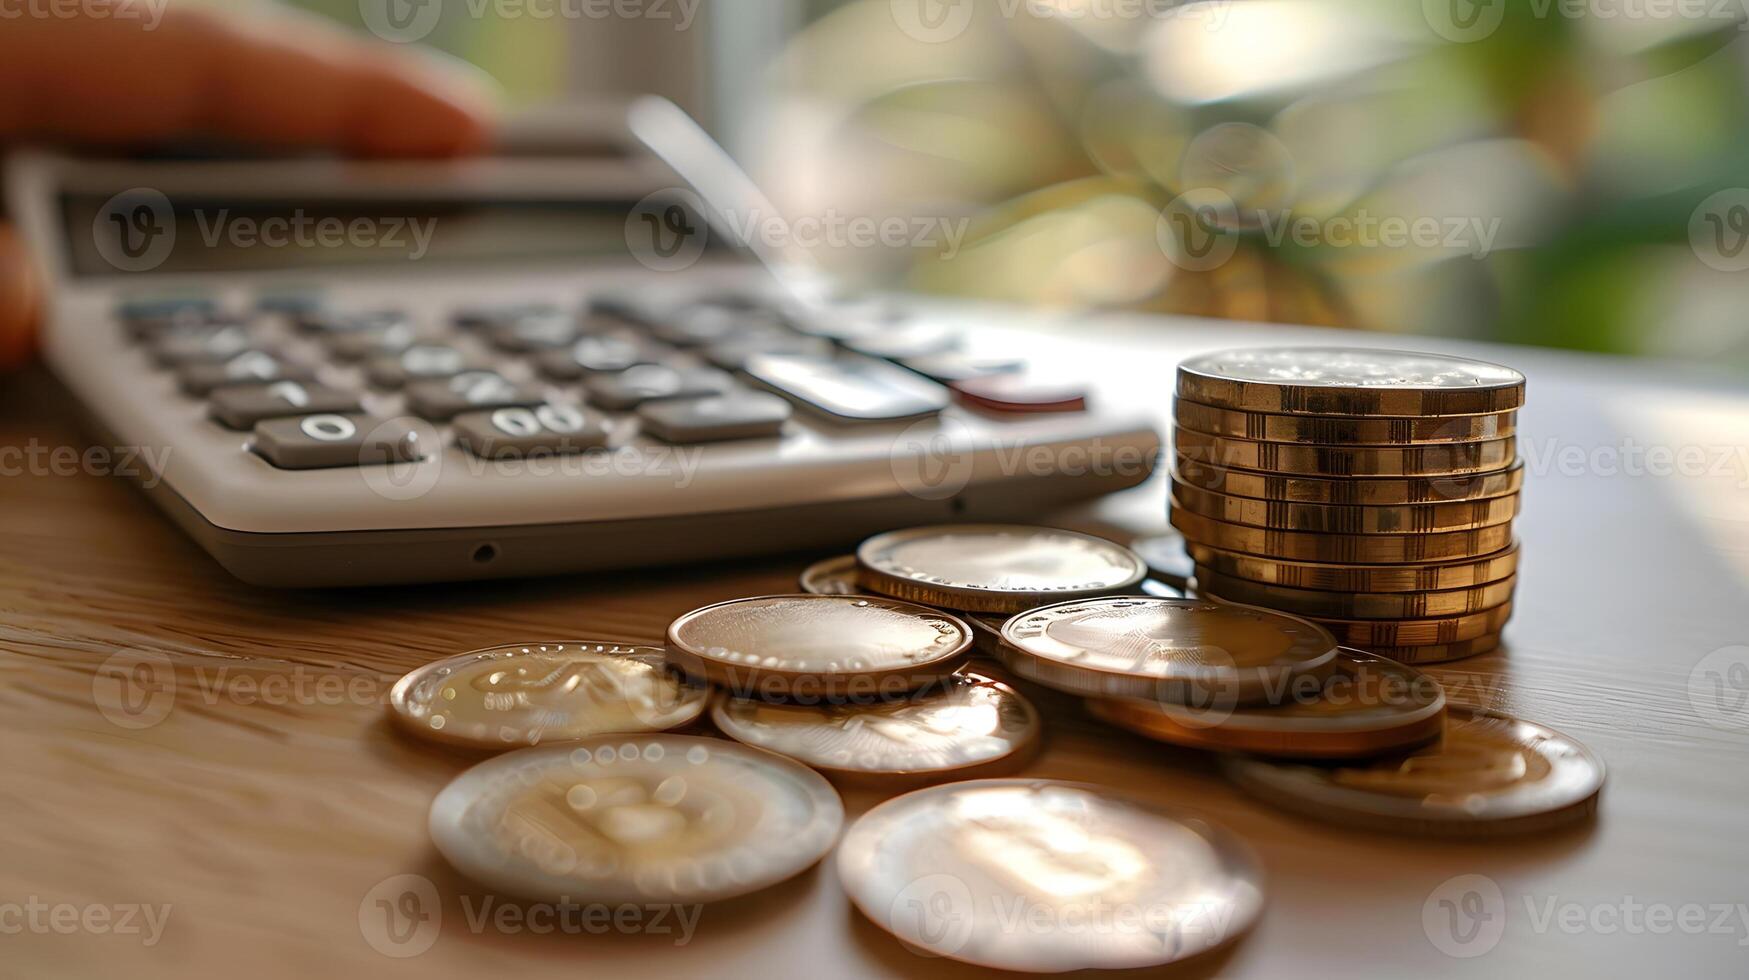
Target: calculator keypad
[325,441]
[241,406]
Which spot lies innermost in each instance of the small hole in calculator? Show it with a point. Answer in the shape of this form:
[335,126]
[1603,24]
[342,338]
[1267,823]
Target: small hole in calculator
[485,553]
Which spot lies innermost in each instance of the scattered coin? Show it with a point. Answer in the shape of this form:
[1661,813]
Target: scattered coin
[1369,491]
[1435,460]
[1490,774]
[1181,650]
[1417,632]
[801,646]
[1360,549]
[1365,706]
[999,568]
[968,724]
[947,869]
[1435,577]
[832,576]
[1328,430]
[1358,605]
[1458,515]
[523,694]
[1347,381]
[1165,556]
[635,819]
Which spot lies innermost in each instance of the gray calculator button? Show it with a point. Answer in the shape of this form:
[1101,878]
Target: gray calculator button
[186,322]
[441,399]
[851,389]
[387,339]
[543,430]
[740,415]
[416,363]
[241,406]
[732,355]
[147,308]
[328,440]
[487,317]
[202,344]
[329,322]
[700,325]
[593,355]
[651,382]
[536,331]
[249,367]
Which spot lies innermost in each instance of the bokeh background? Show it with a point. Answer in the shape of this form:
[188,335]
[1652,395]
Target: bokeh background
[1570,173]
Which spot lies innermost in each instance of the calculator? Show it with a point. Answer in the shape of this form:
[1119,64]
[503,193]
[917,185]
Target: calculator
[341,373]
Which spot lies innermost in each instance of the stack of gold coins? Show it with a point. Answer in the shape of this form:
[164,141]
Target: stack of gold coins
[1371,492]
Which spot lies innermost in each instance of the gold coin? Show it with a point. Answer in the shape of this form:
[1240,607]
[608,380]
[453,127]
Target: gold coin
[1348,381]
[831,576]
[968,724]
[1439,653]
[1370,634]
[636,819]
[1365,706]
[1165,556]
[1358,549]
[1439,459]
[1435,577]
[1328,430]
[1462,515]
[1093,880]
[526,693]
[1180,650]
[1490,774]
[1001,568]
[1357,605]
[802,646]
[1368,491]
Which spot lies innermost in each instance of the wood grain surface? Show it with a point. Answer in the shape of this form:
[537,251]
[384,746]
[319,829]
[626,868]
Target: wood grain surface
[267,796]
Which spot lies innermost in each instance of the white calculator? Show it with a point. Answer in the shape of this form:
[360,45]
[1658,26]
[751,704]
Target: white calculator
[546,360]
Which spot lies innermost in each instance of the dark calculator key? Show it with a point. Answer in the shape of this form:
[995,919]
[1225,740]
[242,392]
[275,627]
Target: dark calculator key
[900,342]
[536,331]
[651,382]
[624,308]
[952,366]
[241,406]
[417,363]
[1021,393]
[853,389]
[732,355]
[202,344]
[249,367]
[377,341]
[329,322]
[289,304]
[148,308]
[593,355]
[185,322]
[519,432]
[441,399]
[701,325]
[738,415]
[487,317]
[330,439]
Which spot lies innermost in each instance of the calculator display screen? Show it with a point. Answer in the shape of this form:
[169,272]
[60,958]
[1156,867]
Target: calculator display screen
[146,231]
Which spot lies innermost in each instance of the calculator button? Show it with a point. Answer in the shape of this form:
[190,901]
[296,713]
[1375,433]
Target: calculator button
[441,399]
[202,344]
[328,440]
[732,355]
[951,366]
[384,339]
[1021,393]
[249,367]
[623,308]
[241,406]
[536,331]
[487,317]
[651,382]
[417,363]
[548,429]
[327,322]
[698,326]
[853,389]
[897,343]
[148,308]
[184,322]
[593,355]
[739,415]
[289,304]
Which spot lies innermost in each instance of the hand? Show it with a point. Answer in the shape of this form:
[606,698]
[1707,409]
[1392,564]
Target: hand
[275,81]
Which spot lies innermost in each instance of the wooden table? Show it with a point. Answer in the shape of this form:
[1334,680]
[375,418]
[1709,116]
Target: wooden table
[272,797]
